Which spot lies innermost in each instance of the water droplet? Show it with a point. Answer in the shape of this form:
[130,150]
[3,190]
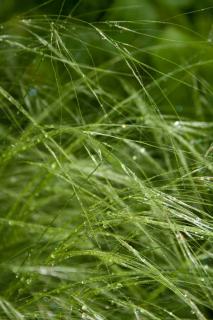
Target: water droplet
[134,158]
[84,307]
[53,165]
[103,37]
[142,150]
[32,92]
[43,271]
[123,126]
[177,124]
[26,21]
[210,37]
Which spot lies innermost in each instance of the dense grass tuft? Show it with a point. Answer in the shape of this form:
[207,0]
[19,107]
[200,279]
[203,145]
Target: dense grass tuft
[106,169]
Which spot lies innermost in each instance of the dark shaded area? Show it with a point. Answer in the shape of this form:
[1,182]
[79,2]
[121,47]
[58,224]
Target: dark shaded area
[97,10]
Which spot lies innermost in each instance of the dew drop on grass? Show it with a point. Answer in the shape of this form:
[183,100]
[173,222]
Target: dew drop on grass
[32,92]
[177,124]
[119,285]
[103,37]
[210,37]
[43,271]
[142,150]
[26,21]
[84,307]
[53,165]
[10,223]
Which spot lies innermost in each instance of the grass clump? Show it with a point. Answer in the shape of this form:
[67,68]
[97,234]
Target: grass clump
[106,169]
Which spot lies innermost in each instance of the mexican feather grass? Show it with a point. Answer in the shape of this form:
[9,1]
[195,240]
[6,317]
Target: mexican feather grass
[106,170]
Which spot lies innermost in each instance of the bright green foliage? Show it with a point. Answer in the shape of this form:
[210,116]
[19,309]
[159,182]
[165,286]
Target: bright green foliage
[106,166]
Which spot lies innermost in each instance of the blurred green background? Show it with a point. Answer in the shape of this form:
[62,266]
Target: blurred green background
[122,9]
[170,34]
